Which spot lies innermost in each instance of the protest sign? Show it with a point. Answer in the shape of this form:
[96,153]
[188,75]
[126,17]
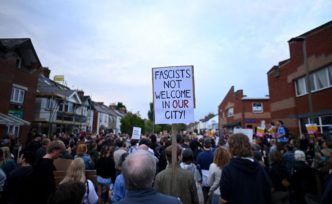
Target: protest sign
[260,132]
[248,132]
[173,94]
[136,133]
[312,128]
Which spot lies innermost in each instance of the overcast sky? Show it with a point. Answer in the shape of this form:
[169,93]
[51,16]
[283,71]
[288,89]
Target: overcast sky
[108,47]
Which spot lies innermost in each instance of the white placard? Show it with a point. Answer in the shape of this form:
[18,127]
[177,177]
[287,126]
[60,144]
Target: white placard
[173,94]
[136,133]
[248,132]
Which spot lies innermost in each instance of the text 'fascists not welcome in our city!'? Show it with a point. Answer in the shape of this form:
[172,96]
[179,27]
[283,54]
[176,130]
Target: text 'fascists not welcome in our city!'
[173,94]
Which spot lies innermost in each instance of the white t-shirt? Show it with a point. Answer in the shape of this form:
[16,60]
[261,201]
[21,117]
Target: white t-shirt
[90,196]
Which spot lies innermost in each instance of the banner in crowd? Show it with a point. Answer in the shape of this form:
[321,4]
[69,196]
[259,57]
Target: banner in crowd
[173,94]
[272,131]
[248,132]
[136,133]
[260,132]
[311,128]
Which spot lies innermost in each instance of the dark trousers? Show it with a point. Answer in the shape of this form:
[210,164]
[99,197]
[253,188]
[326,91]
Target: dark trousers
[205,193]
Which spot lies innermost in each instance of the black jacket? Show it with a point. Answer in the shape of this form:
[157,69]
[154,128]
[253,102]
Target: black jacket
[245,181]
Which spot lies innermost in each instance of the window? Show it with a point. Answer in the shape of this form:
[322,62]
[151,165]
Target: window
[70,107]
[230,112]
[12,129]
[330,75]
[324,124]
[50,104]
[320,79]
[19,63]
[17,95]
[64,107]
[312,83]
[257,107]
[300,86]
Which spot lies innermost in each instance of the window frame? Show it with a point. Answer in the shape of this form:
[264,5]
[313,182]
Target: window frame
[17,95]
[230,113]
[255,111]
[302,82]
[315,77]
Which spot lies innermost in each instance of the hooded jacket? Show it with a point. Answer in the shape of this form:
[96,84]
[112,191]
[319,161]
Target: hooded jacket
[245,181]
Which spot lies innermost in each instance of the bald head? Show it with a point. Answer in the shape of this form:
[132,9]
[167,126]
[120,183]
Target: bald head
[139,170]
[143,147]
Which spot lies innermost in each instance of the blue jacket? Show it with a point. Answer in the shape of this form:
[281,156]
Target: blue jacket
[87,161]
[149,196]
[119,189]
[204,159]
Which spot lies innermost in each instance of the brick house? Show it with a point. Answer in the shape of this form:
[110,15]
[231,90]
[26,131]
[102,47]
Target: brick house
[301,87]
[20,68]
[58,108]
[237,110]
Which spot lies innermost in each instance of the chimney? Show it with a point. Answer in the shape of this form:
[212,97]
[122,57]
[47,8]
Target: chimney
[112,106]
[80,93]
[45,71]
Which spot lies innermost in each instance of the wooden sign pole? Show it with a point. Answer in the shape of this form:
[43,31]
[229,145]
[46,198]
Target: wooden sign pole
[174,158]
[174,147]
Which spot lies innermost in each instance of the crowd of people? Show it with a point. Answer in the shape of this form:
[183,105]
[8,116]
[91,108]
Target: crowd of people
[209,169]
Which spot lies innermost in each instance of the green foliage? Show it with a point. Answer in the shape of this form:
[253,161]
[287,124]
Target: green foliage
[131,120]
[151,113]
[148,126]
[161,127]
[181,127]
[120,107]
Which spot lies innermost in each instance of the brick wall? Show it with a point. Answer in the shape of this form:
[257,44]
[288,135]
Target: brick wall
[284,103]
[10,75]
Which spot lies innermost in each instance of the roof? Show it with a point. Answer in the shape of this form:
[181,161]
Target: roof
[99,107]
[24,49]
[252,99]
[12,120]
[49,87]
[300,37]
[118,113]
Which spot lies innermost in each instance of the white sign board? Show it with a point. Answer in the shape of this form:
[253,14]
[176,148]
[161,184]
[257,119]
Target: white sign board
[248,132]
[136,133]
[173,94]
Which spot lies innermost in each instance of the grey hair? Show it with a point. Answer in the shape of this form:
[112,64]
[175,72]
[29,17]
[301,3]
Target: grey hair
[139,169]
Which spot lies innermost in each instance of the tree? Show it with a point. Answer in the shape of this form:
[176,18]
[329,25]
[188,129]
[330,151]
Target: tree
[120,107]
[149,126]
[151,112]
[131,120]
